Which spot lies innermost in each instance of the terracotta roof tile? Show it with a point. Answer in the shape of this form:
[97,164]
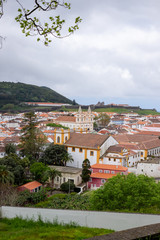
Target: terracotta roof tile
[66,119]
[86,140]
[32,185]
[109,167]
[102,175]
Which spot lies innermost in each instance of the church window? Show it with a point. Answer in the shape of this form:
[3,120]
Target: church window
[80,149]
[58,139]
[73,149]
[91,153]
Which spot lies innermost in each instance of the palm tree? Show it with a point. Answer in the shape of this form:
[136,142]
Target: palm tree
[51,173]
[5,175]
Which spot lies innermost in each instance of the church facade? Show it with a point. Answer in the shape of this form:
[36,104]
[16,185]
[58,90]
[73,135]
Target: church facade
[81,121]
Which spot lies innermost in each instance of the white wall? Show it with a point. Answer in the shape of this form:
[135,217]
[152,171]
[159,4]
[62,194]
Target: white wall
[80,156]
[110,220]
[149,169]
[109,142]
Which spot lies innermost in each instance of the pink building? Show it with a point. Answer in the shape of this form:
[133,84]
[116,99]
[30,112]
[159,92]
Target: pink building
[102,172]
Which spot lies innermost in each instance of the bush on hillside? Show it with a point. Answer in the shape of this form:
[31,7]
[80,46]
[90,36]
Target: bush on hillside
[131,192]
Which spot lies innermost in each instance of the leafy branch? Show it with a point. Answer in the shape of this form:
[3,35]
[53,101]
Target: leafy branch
[31,25]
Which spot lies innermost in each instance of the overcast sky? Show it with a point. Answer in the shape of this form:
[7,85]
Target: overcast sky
[114,57]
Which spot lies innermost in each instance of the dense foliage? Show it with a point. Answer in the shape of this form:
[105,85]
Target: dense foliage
[56,155]
[26,197]
[86,172]
[67,186]
[16,166]
[38,170]
[16,93]
[66,201]
[133,193]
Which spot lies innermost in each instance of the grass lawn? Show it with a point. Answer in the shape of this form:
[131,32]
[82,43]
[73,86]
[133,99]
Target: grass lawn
[18,229]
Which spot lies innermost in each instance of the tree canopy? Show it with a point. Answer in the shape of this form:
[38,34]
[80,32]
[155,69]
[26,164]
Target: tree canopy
[16,166]
[103,119]
[31,22]
[133,193]
[56,155]
[38,170]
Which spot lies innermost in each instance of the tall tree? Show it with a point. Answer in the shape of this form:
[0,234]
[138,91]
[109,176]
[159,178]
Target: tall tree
[32,139]
[56,155]
[86,172]
[51,174]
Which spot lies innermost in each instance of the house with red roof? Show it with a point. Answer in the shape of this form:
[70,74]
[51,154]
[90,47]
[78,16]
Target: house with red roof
[31,187]
[102,172]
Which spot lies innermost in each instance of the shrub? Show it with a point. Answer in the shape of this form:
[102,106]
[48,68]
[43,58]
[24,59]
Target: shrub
[67,187]
[26,197]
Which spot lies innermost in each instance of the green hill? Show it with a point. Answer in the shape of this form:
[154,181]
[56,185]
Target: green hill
[17,93]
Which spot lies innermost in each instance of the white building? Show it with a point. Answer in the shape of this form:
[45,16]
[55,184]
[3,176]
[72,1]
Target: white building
[81,121]
[151,168]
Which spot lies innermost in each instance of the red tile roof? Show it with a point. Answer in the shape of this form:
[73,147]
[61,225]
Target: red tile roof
[32,185]
[66,119]
[102,175]
[86,140]
[109,167]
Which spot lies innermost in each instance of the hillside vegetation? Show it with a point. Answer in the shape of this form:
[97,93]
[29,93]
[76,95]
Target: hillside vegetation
[124,110]
[18,93]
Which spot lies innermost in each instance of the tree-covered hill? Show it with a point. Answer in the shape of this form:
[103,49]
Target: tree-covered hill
[16,93]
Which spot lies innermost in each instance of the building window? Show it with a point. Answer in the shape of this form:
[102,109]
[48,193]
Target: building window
[80,150]
[114,160]
[91,153]
[57,179]
[90,180]
[106,171]
[141,154]
[109,159]
[113,172]
[100,171]
[73,149]
[58,139]
[102,180]
[66,138]
[64,179]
